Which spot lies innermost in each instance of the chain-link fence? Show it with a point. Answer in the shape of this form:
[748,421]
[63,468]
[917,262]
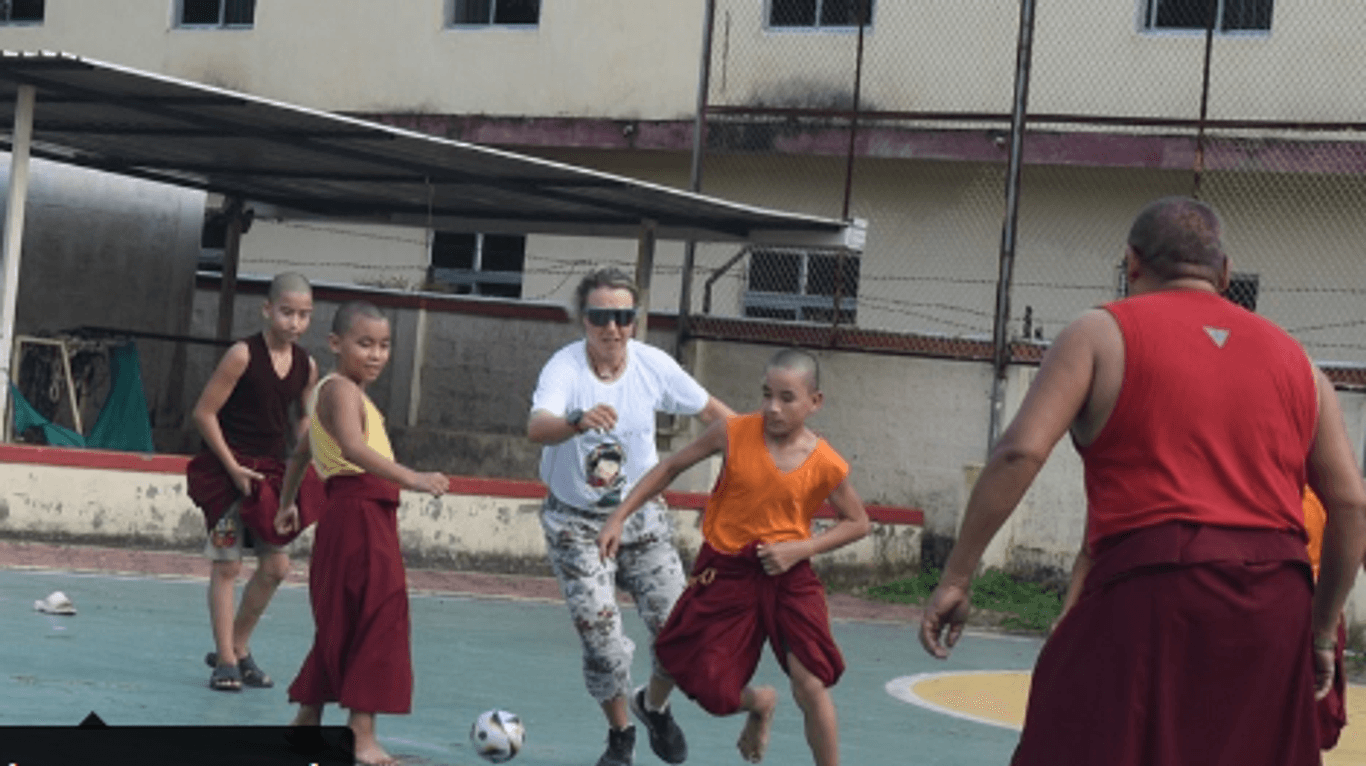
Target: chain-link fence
[1248,104]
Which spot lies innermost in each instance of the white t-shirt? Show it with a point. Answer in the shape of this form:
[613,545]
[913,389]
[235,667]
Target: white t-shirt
[597,470]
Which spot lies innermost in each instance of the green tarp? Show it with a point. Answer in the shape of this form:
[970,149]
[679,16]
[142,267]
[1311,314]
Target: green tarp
[123,423]
[25,417]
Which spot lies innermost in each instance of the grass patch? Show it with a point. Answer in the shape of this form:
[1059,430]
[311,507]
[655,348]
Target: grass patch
[1028,605]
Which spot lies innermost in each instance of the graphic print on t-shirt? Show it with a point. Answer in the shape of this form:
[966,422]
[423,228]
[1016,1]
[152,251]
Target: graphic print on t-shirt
[603,468]
[1217,334]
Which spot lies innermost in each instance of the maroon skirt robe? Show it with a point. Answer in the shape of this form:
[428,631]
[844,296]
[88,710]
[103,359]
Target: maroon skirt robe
[211,489]
[715,635]
[362,654]
[1189,645]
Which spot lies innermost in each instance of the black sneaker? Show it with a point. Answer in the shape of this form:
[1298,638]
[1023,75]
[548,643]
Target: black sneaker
[666,739]
[621,747]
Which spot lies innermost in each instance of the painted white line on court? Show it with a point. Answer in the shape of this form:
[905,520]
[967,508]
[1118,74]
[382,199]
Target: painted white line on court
[903,688]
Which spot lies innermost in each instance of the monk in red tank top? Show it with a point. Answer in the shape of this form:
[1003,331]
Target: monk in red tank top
[752,581]
[244,415]
[1198,636]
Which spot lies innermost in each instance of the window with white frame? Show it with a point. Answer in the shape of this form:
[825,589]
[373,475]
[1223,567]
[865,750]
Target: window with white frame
[817,14]
[216,13]
[1193,15]
[478,264]
[21,11]
[802,285]
[496,12]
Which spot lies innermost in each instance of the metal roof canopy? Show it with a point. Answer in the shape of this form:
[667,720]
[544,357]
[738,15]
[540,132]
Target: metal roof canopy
[292,162]
[305,163]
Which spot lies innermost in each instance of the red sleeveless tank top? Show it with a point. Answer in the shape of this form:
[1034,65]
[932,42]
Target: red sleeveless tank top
[255,418]
[755,502]
[1214,420]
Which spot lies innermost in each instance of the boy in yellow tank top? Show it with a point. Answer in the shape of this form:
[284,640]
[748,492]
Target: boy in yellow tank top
[752,578]
[357,585]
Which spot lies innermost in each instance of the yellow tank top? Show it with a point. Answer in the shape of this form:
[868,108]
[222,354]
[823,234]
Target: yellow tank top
[327,456]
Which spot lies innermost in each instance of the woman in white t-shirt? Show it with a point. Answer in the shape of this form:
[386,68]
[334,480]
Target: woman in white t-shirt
[594,413]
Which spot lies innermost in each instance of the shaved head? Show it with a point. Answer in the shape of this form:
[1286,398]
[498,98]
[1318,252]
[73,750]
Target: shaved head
[797,360]
[288,282]
[1178,237]
[347,313]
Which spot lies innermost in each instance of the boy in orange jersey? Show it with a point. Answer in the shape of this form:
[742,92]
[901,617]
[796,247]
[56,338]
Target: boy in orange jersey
[752,578]
[361,655]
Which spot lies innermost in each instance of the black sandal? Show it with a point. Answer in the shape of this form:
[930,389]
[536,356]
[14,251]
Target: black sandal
[225,678]
[248,672]
[252,674]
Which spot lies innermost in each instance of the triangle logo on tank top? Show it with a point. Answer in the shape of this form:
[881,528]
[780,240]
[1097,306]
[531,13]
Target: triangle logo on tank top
[1217,334]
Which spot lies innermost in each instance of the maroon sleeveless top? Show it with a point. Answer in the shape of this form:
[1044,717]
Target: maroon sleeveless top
[1214,420]
[255,419]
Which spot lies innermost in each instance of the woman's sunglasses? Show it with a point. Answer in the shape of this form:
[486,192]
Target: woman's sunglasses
[600,317]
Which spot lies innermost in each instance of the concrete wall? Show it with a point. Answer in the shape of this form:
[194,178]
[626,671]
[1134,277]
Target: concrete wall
[1089,58]
[907,426]
[632,59]
[105,250]
[934,231]
[608,57]
[375,256]
[81,496]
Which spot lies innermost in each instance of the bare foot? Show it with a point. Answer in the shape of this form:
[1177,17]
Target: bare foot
[373,755]
[754,737]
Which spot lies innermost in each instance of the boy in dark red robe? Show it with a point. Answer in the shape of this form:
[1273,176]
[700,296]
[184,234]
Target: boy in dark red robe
[361,655]
[752,581]
[244,416]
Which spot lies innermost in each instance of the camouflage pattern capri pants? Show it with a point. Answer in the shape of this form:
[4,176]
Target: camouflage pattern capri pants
[647,567]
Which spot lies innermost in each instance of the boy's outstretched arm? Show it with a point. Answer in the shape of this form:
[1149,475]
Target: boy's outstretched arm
[216,392]
[852,525]
[712,441]
[341,410]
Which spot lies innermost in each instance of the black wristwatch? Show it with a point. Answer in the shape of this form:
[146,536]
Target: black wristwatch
[573,418]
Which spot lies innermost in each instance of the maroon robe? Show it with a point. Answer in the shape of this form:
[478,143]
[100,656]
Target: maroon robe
[1189,645]
[361,655]
[210,488]
[256,424]
[714,637]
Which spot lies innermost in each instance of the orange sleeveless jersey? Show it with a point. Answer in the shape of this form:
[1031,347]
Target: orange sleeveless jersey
[1315,519]
[755,502]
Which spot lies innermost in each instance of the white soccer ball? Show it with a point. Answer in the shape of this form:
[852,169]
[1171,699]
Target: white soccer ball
[497,735]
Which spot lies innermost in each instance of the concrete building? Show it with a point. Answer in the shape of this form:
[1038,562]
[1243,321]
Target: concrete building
[613,85]
[1116,103]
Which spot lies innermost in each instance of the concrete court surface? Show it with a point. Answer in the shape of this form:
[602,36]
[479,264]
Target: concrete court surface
[134,654]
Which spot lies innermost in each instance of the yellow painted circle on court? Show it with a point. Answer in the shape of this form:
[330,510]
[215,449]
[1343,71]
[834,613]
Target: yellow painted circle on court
[993,697]
[999,698]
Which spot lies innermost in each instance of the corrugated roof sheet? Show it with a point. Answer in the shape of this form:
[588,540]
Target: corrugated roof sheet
[308,163]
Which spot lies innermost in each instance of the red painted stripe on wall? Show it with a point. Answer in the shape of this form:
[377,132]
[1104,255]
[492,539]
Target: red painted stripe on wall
[92,458]
[110,460]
